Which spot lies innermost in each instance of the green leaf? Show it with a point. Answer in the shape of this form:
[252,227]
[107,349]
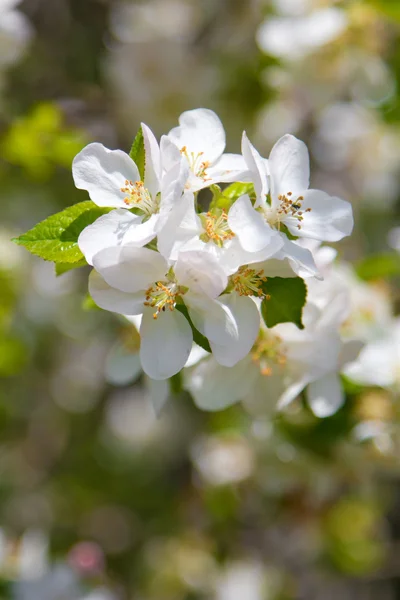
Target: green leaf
[198,337]
[138,154]
[224,199]
[176,384]
[56,238]
[62,268]
[379,266]
[287,296]
[13,356]
[89,304]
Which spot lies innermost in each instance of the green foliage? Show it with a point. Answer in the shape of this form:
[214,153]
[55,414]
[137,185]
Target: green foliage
[89,304]
[379,266]
[7,298]
[390,8]
[350,528]
[137,153]
[223,199]
[13,355]
[62,268]
[56,238]
[287,297]
[39,141]
[197,336]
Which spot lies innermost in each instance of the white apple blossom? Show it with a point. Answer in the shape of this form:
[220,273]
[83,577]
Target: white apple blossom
[133,281]
[379,361]
[112,179]
[15,32]
[294,37]
[200,137]
[209,232]
[283,199]
[282,363]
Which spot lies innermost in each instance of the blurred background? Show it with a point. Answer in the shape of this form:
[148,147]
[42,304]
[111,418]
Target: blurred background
[100,500]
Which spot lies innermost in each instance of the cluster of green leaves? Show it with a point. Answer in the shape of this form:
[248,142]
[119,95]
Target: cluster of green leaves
[56,238]
[13,353]
[40,141]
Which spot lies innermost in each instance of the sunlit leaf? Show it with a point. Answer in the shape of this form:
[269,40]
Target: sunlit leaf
[286,299]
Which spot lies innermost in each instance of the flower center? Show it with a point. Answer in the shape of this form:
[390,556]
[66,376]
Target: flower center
[248,282]
[163,294]
[137,196]
[196,163]
[288,207]
[268,353]
[216,228]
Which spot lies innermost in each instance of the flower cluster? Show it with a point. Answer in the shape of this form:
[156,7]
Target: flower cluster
[198,264]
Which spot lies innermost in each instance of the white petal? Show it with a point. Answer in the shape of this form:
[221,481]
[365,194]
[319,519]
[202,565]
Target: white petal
[291,392]
[253,232]
[165,343]
[201,273]
[325,396]
[232,255]
[152,172]
[122,365]
[108,230]
[230,167]
[212,318]
[329,220]
[300,259]
[103,172]
[349,352]
[142,233]
[247,319]
[200,130]
[289,166]
[173,184]
[159,393]
[215,387]
[130,269]
[170,154]
[196,355]
[182,225]
[257,167]
[114,300]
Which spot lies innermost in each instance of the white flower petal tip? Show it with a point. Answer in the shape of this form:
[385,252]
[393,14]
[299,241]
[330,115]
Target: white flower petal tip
[166,343]
[103,173]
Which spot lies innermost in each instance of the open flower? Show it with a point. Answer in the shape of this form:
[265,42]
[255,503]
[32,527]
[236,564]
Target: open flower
[209,232]
[112,179]
[200,137]
[133,281]
[284,203]
[282,363]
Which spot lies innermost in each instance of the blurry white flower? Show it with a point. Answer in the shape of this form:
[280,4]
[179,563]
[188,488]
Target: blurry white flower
[223,460]
[153,20]
[394,238]
[248,580]
[15,32]
[292,38]
[283,362]
[379,362]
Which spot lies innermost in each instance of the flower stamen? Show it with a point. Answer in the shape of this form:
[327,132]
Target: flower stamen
[197,165]
[137,196]
[162,295]
[248,282]
[268,353]
[216,228]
